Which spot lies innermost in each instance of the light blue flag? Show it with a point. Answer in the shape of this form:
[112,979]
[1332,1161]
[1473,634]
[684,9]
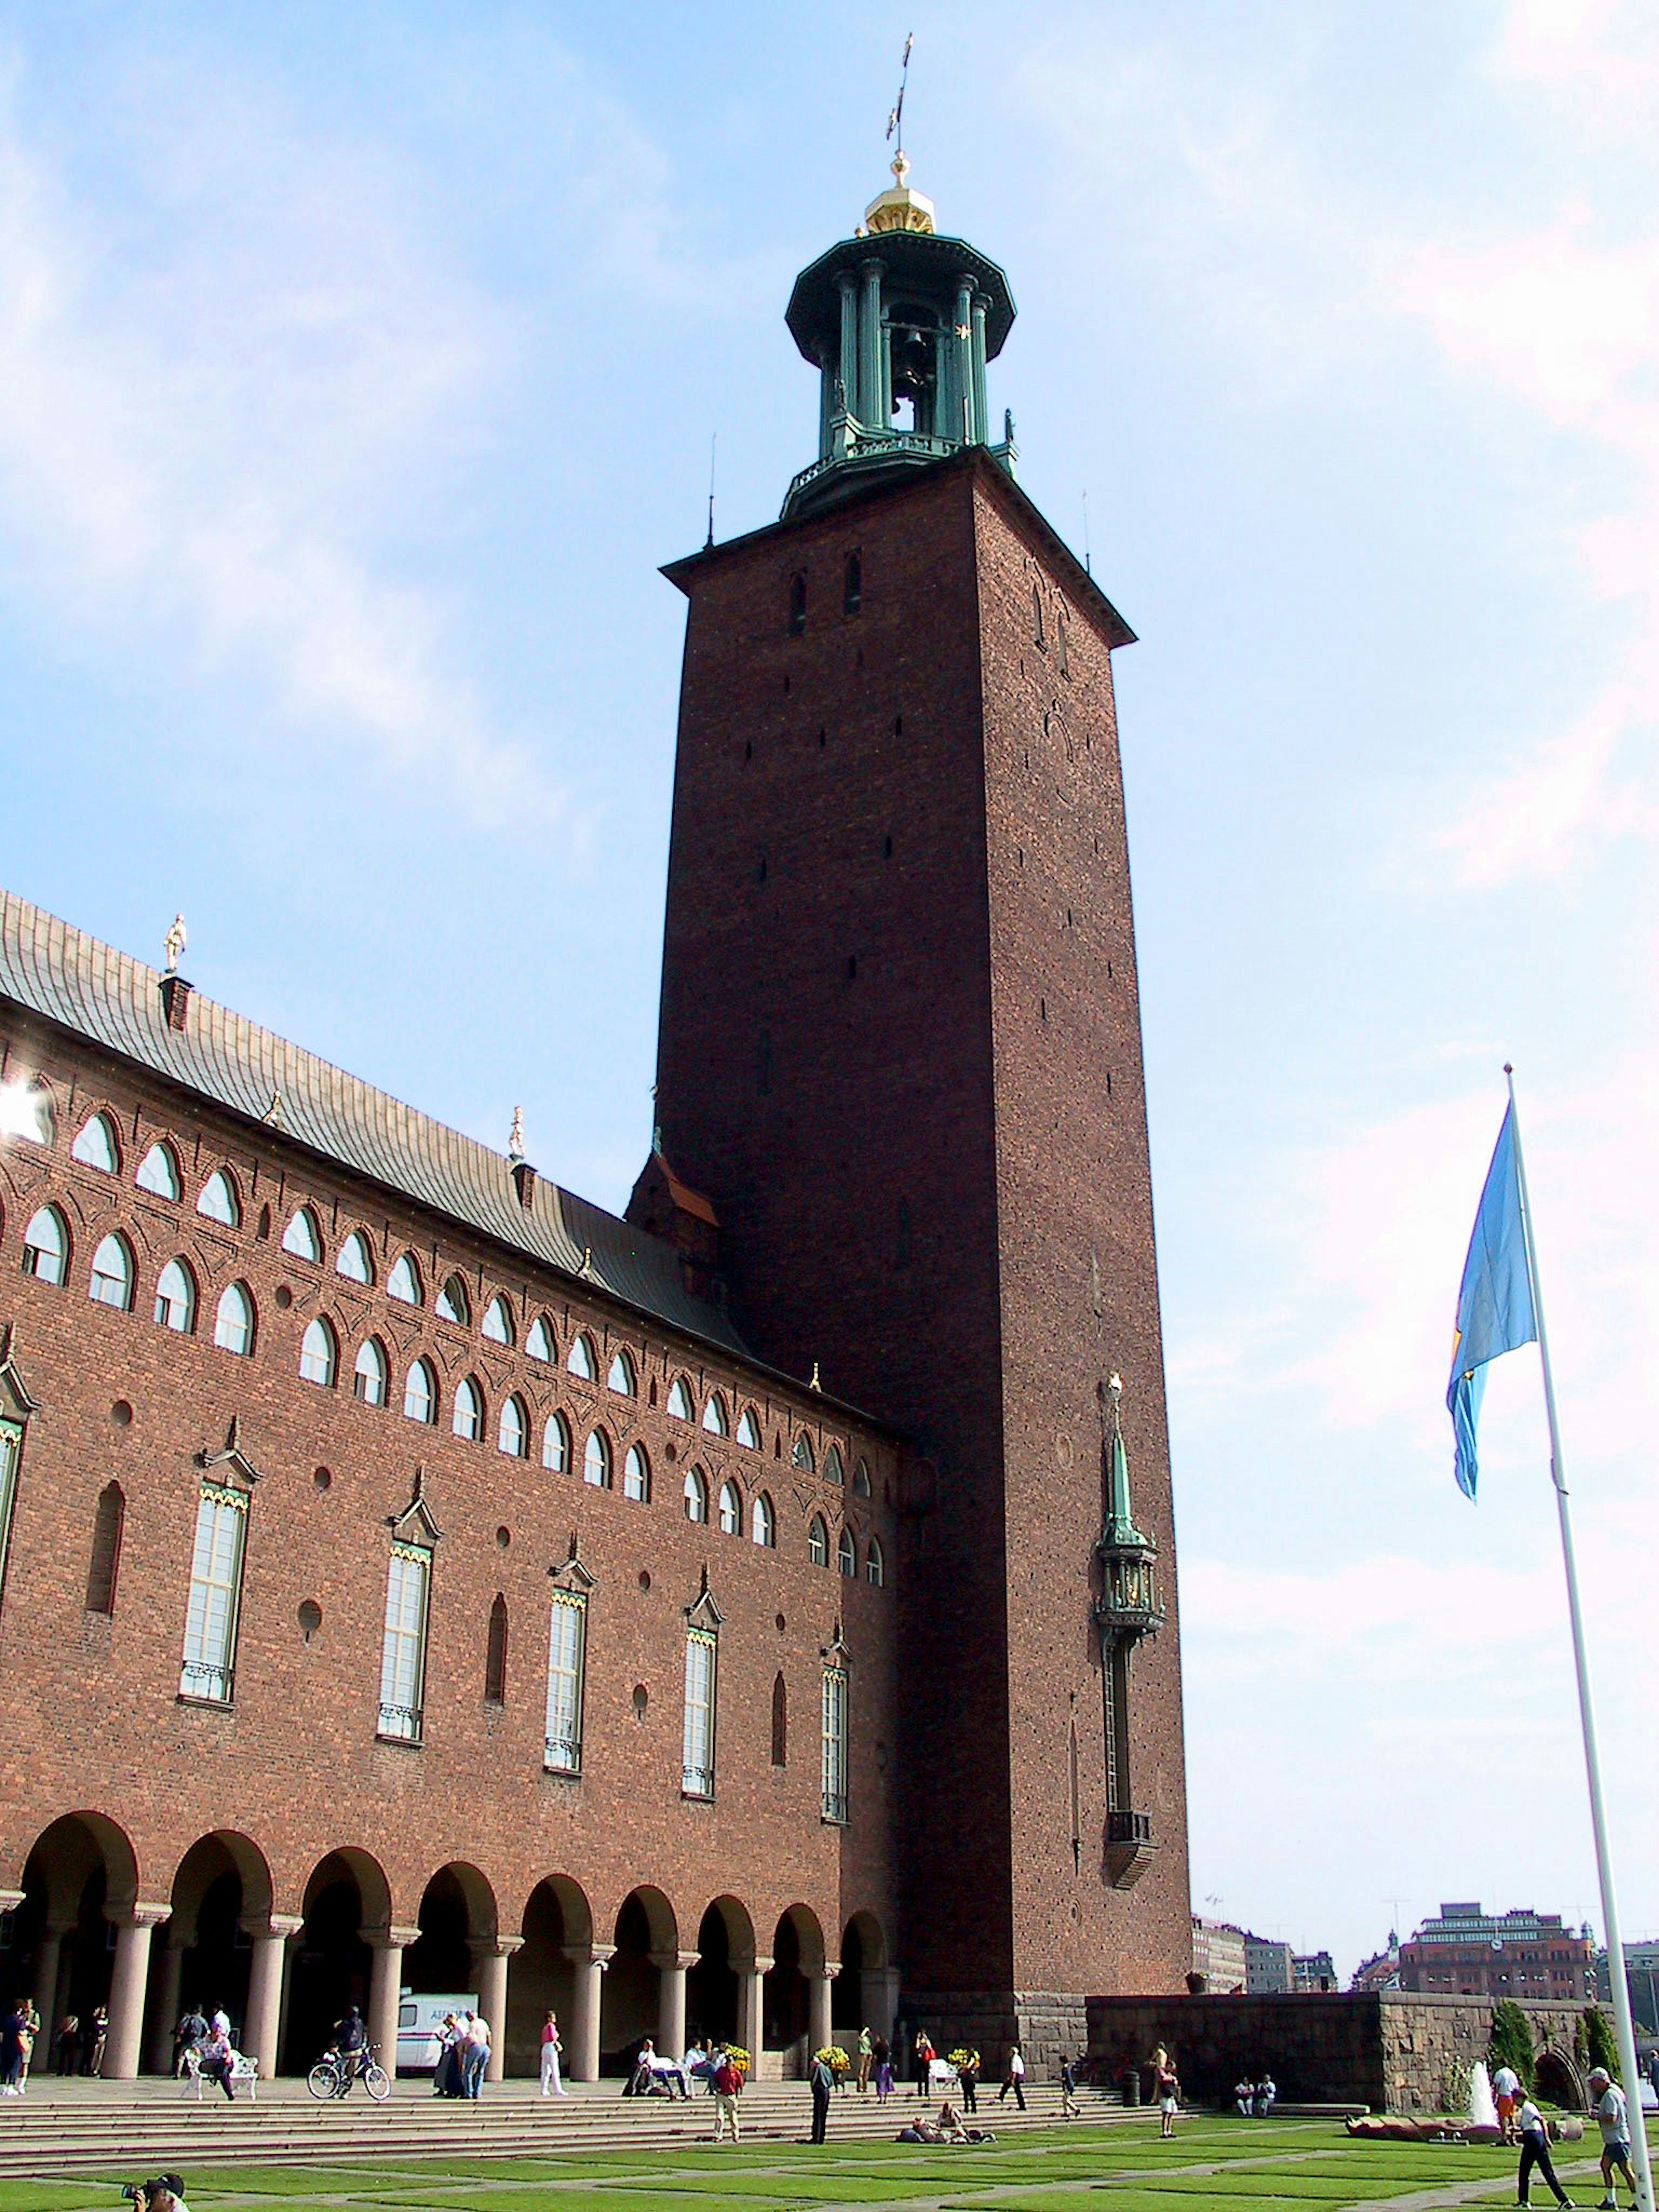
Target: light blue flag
[1494,1306]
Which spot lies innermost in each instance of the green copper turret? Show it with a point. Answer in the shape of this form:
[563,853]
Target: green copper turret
[900,323]
[1128,1607]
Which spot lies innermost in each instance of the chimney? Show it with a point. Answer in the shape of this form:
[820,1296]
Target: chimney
[175,998]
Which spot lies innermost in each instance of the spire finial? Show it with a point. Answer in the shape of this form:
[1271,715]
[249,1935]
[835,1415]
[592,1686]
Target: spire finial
[895,120]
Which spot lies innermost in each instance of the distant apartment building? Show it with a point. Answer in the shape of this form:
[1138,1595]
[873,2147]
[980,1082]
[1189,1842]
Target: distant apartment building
[1269,1968]
[1315,1972]
[1467,1953]
[1641,1979]
[1218,1955]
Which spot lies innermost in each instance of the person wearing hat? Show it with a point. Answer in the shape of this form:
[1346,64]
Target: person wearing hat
[166,2194]
[1613,2116]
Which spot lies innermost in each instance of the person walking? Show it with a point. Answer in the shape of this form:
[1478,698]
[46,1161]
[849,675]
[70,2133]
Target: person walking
[866,2052]
[551,2047]
[1068,2103]
[968,2075]
[11,2052]
[1506,2093]
[1612,2115]
[821,2080]
[1014,2078]
[728,2088]
[1534,2152]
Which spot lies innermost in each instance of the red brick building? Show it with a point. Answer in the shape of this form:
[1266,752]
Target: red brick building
[733,1617]
[1464,1952]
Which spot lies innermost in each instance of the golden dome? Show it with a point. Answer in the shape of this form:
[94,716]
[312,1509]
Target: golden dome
[899,207]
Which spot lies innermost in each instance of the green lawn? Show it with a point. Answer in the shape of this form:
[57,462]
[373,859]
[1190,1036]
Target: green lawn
[1287,2166]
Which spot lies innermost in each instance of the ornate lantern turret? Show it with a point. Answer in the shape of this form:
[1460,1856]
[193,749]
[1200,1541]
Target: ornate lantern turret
[1127,1609]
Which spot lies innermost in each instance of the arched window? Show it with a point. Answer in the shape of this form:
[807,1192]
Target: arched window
[175,1298]
[468,1418]
[695,1491]
[404,1283]
[621,1378]
[596,1460]
[219,1202]
[538,1344]
[513,1431]
[302,1237]
[158,1174]
[319,1353]
[498,1322]
[780,1723]
[680,1403]
[875,1566]
[421,1394]
[555,1444]
[109,1525]
[636,1475]
[355,1262]
[496,1654]
[802,1455]
[111,1274]
[832,1466]
[369,1375]
[581,1361]
[714,1416]
[46,1247]
[861,1478]
[95,1146]
[798,603]
[26,1112]
[852,587]
[817,1543]
[731,1509]
[846,1554]
[748,1430]
[233,1324]
[453,1303]
[762,1521]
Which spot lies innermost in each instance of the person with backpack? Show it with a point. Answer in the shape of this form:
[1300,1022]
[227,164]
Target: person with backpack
[821,2080]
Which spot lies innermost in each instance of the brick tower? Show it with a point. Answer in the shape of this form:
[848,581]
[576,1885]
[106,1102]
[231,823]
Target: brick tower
[901,1053]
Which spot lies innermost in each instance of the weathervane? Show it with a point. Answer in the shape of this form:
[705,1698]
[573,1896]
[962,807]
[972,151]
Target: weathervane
[895,120]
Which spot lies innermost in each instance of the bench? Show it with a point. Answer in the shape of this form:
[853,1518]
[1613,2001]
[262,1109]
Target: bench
[242,2069]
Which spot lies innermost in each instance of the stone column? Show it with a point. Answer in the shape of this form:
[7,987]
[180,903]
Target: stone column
[590,1961]
[126,1990]
[672,1967]
[850,342]
[881,1994]
[165,2016]
[818,2030]
[869,406]
[962,377]
[751,2008]
[48,1961]
[982,427]
[267,1986]
[489,1956]
[385,1987]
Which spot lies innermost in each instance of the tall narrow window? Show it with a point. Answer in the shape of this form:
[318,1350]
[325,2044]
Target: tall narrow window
[1116,1687]
[802,1455]
[468,1418]
[319,1353]
[355,1261]
[302,1239]
[679,1401]
[403,1282]
[714,1416]
[453,1303]
[832,1467]
[233,1324]
[852,587]
[875,1566]
[1077,1800]
[731,1514]
[798,603]
[11,1448]
[95,1146]
[581,1362]
[109,1524]
[513,1433]
[621,1378]
[835,1743]
[369,1375]
[817,1543]
[538,1344]
[403,1646]
[46,1247]
[596,1460]
[1036,616]
[218,1201]
[846,1554]
[555,1444]
[636,1475]
[697,1762]
[111,1274]
[861,1479]
[175,1298]
[780,1722]
[748,1430]
[215,1591]
[695,1491]
[566,1651]
[421,1393]
[159,1174]
[496,1654]
[762,1521]
[498,1322]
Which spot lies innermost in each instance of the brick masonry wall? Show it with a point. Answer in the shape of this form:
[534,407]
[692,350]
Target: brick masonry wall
[1389,2053]
[879,826]
[91,1716]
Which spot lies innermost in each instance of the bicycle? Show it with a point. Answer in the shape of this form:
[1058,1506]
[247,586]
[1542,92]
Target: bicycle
[336,2070]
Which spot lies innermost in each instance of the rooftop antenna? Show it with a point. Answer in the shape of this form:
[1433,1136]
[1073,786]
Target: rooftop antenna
[713,442]
[895,120]
[1088,565]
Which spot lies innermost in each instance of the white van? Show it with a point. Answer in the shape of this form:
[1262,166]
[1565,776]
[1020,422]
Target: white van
[420,2028]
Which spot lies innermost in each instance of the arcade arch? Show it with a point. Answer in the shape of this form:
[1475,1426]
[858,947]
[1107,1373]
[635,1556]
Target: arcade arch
[346,1899]
[646,1941]
[551,1974]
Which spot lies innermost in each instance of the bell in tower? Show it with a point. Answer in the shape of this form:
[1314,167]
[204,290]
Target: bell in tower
[900,323]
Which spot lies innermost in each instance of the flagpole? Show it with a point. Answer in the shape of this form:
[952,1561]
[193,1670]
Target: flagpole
[1624,2027]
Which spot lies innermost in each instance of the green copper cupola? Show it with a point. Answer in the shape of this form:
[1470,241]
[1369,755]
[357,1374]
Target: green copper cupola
[900,323]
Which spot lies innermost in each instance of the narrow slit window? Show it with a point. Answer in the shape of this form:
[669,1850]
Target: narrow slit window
[852,590]
[780,1722]
[797,603]
[495,1654]
[109,1524]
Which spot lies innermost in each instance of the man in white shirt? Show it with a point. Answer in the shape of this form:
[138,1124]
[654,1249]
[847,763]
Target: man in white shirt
[1612,2115]
[1506,2088]
[1535,2152]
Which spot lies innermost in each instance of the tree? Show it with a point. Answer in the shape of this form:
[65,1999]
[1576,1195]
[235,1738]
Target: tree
[1511,2041]
[1600,2046]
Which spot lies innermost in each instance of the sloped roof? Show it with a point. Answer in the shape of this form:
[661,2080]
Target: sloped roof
[115,1001]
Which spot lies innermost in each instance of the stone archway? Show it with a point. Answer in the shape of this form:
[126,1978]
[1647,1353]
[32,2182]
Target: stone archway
[346,1899]
[222,1902]
[551,1973]
[723,1995]
[864,1990]
[647,1951]
[1556,2078]
[80,1941]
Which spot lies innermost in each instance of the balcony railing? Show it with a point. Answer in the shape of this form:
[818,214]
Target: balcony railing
[563,1754]
[212,1685]
[399,1723]
[835,1807]
[697,1781]
[1128,1827]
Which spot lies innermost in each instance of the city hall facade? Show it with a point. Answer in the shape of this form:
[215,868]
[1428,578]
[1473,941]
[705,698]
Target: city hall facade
[754,1615]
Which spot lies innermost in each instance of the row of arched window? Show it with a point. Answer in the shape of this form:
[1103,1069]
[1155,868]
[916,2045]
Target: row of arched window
[114,1277]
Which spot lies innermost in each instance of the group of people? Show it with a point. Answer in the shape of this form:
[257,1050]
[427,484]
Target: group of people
[462,2055]
[1254,2099]
[78,2045]
[202,2044]
[18,2031]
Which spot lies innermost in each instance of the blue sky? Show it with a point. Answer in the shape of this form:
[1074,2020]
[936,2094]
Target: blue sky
[358,366]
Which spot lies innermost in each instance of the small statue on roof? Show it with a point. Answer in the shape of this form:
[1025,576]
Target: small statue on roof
[177,939]
[515,1140]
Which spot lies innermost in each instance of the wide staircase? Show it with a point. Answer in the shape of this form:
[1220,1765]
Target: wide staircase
[123,2130]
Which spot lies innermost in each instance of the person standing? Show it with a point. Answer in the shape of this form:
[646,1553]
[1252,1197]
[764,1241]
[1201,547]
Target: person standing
[728,2088]
[1169,2098]
[91,2045]
[866,2052]
[1506,2089]
[968,2081]
[475,2058]
[883,2071]
[1534,2152]
[1014,2078]
[821,2080]
[922,2049]
[189,2035]
[11,2052]
[69,2043]
[1068,2103]
[1612,2115]
[551,2047]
